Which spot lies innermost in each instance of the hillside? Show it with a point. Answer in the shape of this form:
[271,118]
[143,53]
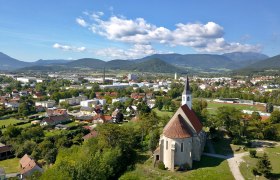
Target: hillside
[86,63]
[270,63]
[155,65]
[202,61]
[245,58]
[9,63]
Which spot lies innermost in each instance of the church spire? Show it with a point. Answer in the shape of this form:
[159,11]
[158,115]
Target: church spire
[187,89]
[186,95]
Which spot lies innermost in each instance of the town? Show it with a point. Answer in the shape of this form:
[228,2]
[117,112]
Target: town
[42,116]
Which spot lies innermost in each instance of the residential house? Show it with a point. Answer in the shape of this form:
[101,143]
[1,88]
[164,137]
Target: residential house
[87,110]
[100,118]
[5,151]
[28,166]
[54,120]
[45,104]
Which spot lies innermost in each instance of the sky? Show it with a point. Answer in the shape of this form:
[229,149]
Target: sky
[125,29]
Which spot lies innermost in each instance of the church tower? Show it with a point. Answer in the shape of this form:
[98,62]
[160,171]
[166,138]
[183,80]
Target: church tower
[186,95]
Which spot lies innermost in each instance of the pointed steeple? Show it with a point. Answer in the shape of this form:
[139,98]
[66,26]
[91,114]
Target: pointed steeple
[187,89]
[186,95]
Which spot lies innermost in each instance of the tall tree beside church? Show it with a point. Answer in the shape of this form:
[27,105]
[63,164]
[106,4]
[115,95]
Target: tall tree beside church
[269,107]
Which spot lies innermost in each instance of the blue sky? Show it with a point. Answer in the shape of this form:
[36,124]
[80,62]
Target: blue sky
[37,29]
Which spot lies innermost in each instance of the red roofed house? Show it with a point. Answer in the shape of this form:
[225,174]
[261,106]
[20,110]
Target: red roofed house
[54,120]
[100,118]
[183,139]
[28,166]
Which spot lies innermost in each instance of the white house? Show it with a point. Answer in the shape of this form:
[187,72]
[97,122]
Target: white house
[46,104]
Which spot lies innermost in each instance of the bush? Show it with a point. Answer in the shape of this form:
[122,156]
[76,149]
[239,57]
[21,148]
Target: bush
[237,141]
[161,165]
[253,153]
[255,171]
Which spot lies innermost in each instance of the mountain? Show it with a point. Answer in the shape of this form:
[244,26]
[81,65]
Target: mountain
[87,63]
[155,65]
[270,63]
[42,62]
[202,61]
[245,58]
[9,63]
[119,64]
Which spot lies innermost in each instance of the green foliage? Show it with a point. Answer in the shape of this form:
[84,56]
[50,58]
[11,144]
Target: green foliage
[230,117]
[256,116]
[253,153]
[269,107]
[105,157]
[161,165]
[275,117]
[154,138]
[264,165]
[12,131]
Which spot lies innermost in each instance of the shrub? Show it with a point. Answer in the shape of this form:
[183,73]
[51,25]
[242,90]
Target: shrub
[236,141]
[255,171]
[161,165]
[253,153]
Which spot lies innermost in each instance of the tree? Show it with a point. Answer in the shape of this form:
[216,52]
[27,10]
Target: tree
[269,107]
[230,118]
[119,117]
[275,117]
[12,131]
[256,116]
[264,165]
[23,109]
[143,108]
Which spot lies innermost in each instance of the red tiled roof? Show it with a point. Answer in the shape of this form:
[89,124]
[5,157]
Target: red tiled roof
[103,117]
[177,128]
[92,134]
[192,118]
[27,164]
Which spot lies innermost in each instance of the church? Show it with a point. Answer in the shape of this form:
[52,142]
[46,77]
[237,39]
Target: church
[183,138]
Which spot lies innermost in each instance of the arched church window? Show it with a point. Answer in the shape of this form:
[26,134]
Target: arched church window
[188,98]
[182,147]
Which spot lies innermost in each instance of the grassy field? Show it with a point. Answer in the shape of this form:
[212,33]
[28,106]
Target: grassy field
[274,157]
[10,165]
[207,168]
[54,132]
[213,106]
[10,121]
[163,113]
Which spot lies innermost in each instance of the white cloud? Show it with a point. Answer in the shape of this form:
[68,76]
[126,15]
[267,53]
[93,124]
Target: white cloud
[137,51]
[81,22]
[69,48]
[202,37]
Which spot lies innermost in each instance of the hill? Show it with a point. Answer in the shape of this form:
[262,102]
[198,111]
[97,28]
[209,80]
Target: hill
[155,65]
[42,62]
[86,63]
[270,63]
[202,61]
[9,63]
[246,58]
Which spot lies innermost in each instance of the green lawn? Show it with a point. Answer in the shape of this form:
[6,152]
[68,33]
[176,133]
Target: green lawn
[207,168]
[274,157]
[49,133]
[10,165]
[213,106]
[10,121]
[163,113]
